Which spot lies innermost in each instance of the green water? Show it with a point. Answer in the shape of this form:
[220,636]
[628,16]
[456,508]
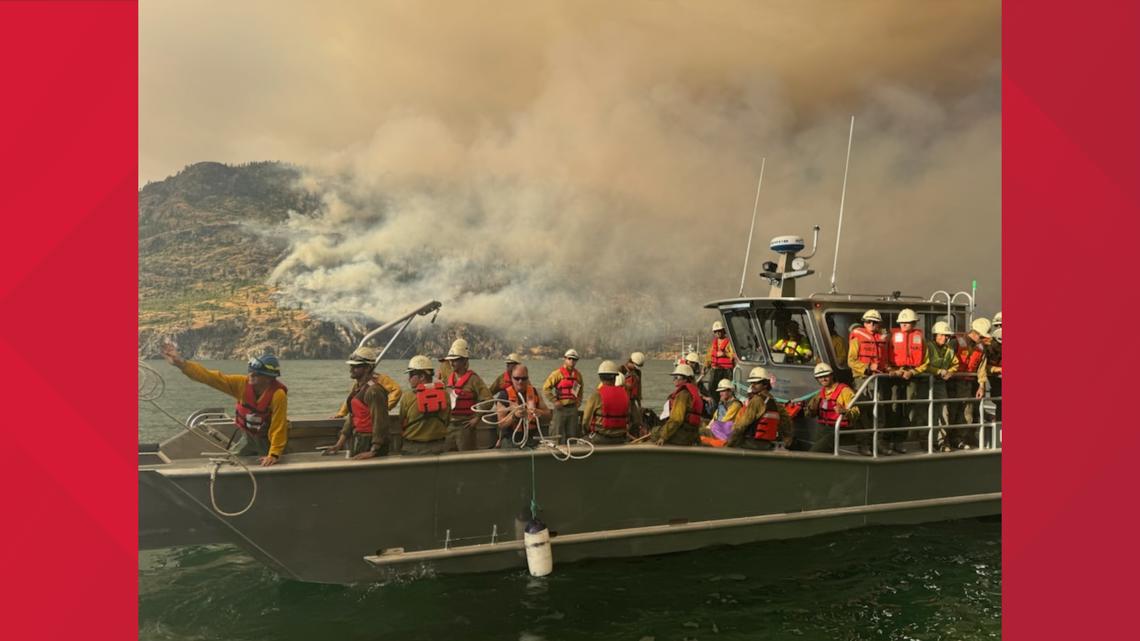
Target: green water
[936,581]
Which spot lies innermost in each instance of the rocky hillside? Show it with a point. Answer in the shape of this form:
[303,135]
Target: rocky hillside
[204,256]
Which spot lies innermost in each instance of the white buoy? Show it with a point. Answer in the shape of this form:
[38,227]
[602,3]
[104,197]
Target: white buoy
[539,559]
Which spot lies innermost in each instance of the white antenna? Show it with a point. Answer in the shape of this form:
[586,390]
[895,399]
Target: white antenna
[753,228]
[843,197]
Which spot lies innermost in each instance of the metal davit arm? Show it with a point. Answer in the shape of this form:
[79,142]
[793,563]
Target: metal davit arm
[429,308]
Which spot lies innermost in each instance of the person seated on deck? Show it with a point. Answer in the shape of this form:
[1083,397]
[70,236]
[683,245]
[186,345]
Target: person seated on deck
[700,379]
[831,406]
[261,413]
[367,405]
[793,345]
[521,402]
[503,381]
[763,420]
[425,412]
[608,414]
[685,407]
[631,371]
[719,429]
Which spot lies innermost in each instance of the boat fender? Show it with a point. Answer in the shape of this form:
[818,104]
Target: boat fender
[536,537]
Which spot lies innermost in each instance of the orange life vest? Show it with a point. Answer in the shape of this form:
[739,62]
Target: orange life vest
[253,415]
[720,357]
[531,395]
[969,357]
[614,411]
[907,348]
[464,398]
[564,389]
[506,380]
[872,347]
[361,413]
[768,424]
[430,400]
[693,416]
[828,406]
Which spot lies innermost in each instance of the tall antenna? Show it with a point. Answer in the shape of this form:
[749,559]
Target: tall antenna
[753,228]
[839,233]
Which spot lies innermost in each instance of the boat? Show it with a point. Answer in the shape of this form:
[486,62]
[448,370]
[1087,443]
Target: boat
[326,519]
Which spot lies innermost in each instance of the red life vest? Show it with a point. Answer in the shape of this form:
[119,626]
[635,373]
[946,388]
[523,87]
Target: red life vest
[872,348]
[693,416]
[969,357]
[633,384]
[430,400]
[720,357]
[564,389]
[506,380]
[464,398]
[531,395]
[614,414]
[828,406]
[768,424]
[253,415]
[907,348]
[361,413]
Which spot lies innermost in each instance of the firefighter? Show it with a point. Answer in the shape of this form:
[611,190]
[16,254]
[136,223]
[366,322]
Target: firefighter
[762,421]
[971,348]
[793,345]
[907,357]
[719,430]
[424,411]
[608,415]
[721,359]
[866,357]
[503,381]
[942,363]
[989,371]
[365,422]
[563,388]
[830,407]
[685,410]
[631,372]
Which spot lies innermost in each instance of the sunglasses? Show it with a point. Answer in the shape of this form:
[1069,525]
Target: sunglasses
[520,378]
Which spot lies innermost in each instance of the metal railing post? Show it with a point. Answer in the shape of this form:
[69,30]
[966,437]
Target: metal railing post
[930,415]
[875,416]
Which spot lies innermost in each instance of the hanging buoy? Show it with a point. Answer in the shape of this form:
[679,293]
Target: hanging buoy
[539,560]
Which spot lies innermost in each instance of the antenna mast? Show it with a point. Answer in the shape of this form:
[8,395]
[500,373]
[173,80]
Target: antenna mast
[842,198]
[753,228]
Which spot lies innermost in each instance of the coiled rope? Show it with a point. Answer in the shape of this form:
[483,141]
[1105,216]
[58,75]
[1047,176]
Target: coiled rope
[151,388]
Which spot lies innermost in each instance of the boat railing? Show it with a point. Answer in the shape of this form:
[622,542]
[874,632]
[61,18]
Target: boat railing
[875,402]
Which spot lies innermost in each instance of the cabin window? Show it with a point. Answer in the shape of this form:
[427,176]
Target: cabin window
[788,336]
[839,326]
[745,339]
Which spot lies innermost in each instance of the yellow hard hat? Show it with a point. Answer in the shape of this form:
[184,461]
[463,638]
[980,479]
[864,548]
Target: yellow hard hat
[364,356]
[608,367]
[724,385]
[419,363]
[942,327]
[458,350]
[514,358]
[682,370]
[872,314]
[981,326]
[822,369]
[908,316]
[758,374]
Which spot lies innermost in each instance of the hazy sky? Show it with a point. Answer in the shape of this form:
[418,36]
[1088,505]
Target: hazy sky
[592,148]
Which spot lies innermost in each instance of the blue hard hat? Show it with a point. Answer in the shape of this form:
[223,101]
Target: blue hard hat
[266,365]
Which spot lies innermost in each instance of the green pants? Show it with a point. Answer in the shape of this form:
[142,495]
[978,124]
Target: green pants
[460,436]
[363,443]
[609,437]
[685,435]
[564,424]
[247,445]
[423,448]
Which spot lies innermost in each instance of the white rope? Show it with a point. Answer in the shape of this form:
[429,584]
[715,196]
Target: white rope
[520,435]
[151,388]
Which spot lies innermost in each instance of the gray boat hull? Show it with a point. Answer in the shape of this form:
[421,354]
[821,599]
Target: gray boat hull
[332,520]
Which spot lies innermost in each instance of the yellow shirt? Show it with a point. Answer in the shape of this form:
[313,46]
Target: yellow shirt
[729,352]
[474,385]
[548,390]
[757,405]
[677,414]
[594,406]
[845,398]
[234,385]
[419,427]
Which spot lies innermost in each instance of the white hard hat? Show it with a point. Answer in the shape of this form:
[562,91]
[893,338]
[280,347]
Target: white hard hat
[872,314]
[637,358]
[997,334]
[514,358]
[981,326]
[458,350]
[571,353]
[364,356]
[608,367]
[420,363]
[942,327]
[908,316]
[693,357]
[997,320]
[758,374]
[822,369]
[682,370]
[718,326]
[619,380]
[724,385]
